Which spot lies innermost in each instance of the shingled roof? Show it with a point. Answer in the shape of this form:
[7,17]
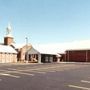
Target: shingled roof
[7,49]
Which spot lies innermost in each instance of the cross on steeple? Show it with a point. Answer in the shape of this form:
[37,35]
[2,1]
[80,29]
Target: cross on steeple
[8,29]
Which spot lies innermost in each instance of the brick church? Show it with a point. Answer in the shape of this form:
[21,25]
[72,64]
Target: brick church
[7,53]
[11,52]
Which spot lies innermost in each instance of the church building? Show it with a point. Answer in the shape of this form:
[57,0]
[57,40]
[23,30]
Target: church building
[7,53]
[11,52]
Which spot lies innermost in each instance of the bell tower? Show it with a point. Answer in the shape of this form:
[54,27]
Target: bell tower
[8,39]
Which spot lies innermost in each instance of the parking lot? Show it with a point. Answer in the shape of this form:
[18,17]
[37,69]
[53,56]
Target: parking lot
[55,76]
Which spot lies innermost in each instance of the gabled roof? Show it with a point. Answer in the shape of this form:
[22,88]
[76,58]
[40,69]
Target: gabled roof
[55,48]
[18,46]
[42,50]
[80,45]
[7,49]
[33,51]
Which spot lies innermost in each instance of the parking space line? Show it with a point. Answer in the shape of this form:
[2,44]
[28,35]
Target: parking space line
[23,73]
[5,74]
[47,70]
[38,72]
[43,68]
[19,72]
[78,87]
[3,70]
[84,81]
[40,68]
[51,71]
[56,70]
[11,69]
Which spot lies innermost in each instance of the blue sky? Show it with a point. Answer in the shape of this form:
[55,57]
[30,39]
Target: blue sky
[46,21]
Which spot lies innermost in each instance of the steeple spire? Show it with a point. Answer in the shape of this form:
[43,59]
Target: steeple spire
[8,39]
[9,30]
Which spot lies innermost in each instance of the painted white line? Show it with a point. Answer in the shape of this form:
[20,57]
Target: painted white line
[52,71]
[84,81]
[45,68]
[3,70]
[5,74]
[38,72]
[57,70]
[18,72]
[78,87]
[23,73]
[11,69]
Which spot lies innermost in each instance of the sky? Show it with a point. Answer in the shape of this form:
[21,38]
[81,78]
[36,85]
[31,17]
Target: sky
[46,21]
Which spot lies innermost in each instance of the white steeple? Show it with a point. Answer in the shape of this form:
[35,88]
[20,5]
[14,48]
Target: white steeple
[8,39]
[9,30]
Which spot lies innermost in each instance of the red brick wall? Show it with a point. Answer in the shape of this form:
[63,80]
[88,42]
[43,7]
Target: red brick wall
[22,52]
[8,40]
[88,54]
[77,56]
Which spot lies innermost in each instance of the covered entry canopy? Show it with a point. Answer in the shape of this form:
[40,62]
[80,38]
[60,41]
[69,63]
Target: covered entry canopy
[33,51]
[40,56]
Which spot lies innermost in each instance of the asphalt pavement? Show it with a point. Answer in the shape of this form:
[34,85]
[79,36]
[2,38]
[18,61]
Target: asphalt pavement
[49,76]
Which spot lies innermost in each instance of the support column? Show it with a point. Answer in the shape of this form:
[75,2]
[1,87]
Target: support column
[39,58]
[68,55]
[27,58]
[86,55]
[58,59]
